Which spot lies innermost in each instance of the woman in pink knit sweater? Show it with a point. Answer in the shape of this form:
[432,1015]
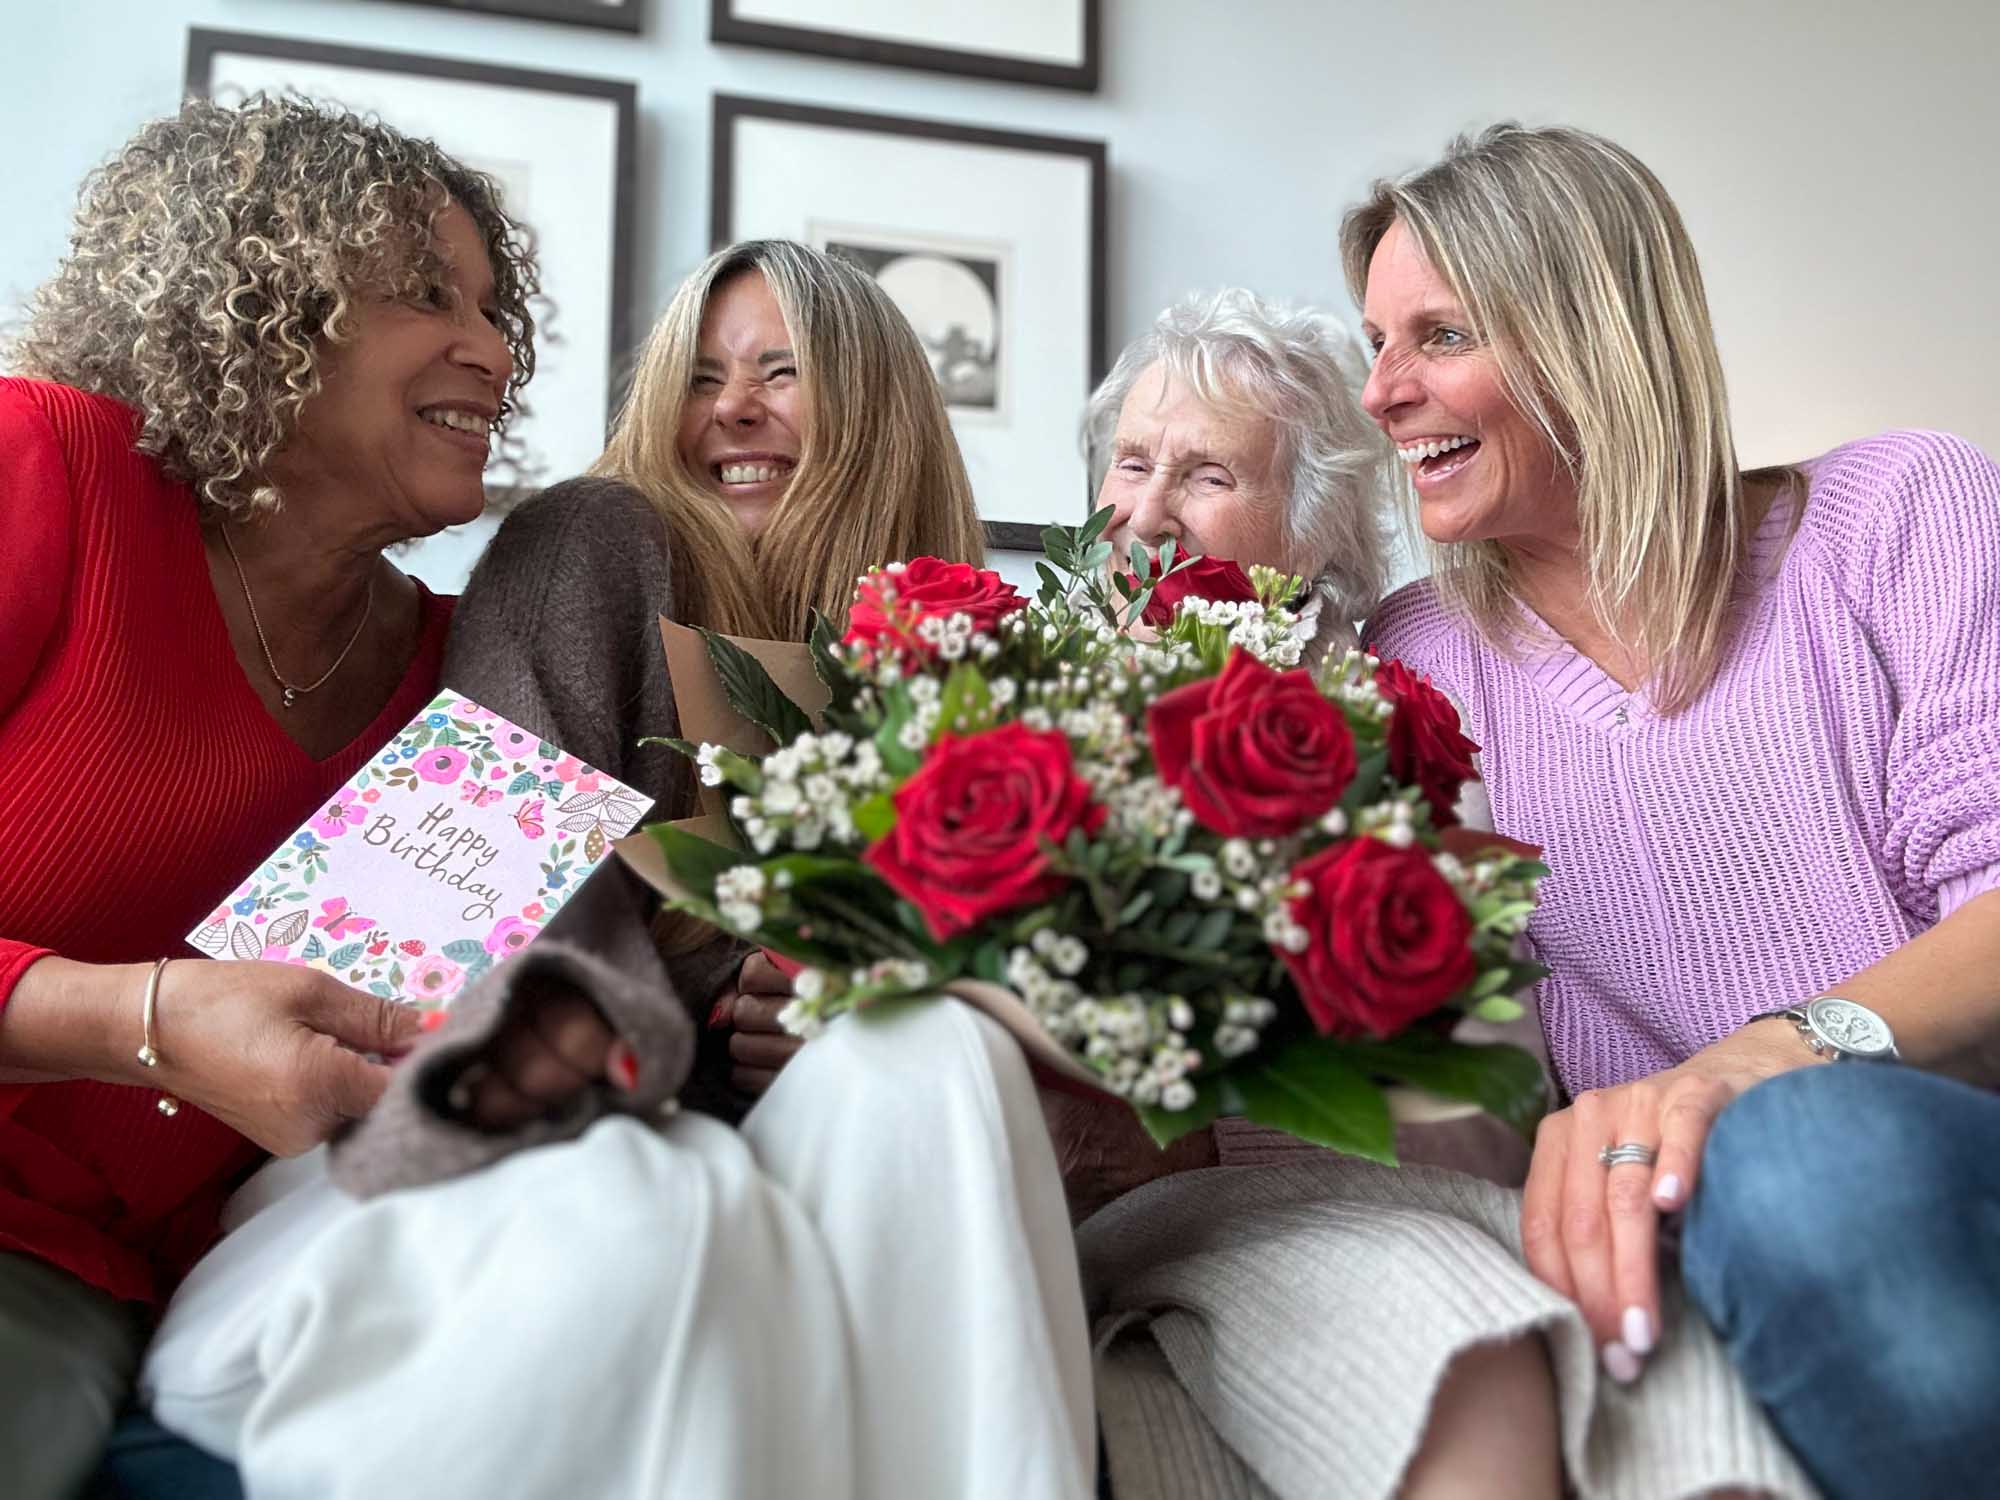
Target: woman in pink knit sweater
[1754,719]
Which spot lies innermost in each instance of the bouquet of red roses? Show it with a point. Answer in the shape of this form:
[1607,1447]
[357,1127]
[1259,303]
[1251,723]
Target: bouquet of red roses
[1187,869]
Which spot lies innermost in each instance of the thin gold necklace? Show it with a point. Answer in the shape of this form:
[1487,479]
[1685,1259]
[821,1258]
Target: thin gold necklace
[296,691]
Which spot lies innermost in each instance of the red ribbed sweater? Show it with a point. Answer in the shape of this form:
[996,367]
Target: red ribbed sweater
[140,778]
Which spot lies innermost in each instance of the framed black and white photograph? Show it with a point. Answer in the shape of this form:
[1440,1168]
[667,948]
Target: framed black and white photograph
[992,244]
[953,291]
[612,15]
[561,148]
[1052,42]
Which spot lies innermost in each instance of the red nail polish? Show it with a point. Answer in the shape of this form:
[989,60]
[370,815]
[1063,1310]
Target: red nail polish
[621,1065]
[431,1020]
[719,1017]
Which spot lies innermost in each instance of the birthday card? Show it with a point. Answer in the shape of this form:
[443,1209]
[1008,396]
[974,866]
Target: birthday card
[449,851]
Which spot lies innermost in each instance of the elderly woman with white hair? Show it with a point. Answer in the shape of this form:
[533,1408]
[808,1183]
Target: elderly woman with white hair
[1231,428]
[1297,1323]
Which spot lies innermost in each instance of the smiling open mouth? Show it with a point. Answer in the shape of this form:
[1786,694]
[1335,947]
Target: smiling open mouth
[1439,458]
[752,471]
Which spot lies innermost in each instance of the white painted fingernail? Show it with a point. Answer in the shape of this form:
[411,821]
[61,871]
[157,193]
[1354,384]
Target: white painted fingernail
[1667,1192]
[1638,1330]
[1620,1363]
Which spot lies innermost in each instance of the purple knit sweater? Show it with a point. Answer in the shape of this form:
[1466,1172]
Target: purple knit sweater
[1834,792]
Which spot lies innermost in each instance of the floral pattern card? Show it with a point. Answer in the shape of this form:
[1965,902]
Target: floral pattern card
[449,851]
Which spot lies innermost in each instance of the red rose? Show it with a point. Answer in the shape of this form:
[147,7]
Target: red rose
[889,605]
[1254,752]
[1205,578]
[1426,747]
[1388,940]
[969,823]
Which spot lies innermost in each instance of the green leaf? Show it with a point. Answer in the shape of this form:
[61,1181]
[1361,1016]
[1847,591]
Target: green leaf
[1366,786]
[753,693]
[1136,908]
[967,702]
[1094,527]
[1214,929]
[1309,1091]
[527,781]
[899,759]
[693,859]
[1051,585]
[875,818]
[346,956]
[1502,1080]
[820,640]
[1499,1009]
[464,951]
[445,736]
[1166,1126]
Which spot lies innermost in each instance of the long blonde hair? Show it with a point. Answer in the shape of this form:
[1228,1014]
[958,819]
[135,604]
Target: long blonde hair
[1574,267]
[879,476]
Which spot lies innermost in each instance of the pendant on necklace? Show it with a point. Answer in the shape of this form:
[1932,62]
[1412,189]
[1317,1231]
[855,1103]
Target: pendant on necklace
[291,696]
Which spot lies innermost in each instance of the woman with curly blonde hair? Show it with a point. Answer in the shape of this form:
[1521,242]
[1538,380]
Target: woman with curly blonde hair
[282,339]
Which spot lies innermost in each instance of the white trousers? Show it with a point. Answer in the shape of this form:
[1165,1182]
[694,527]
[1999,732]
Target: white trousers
[870,1291]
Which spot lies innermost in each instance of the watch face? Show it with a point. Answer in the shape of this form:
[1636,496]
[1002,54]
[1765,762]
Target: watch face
[1850,1027]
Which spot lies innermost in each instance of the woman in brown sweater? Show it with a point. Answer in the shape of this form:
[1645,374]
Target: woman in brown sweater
[815,1302]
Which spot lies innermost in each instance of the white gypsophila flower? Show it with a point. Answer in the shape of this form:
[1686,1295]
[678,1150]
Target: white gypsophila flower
[781,880]
[740,883]
[1205,884]
[1177,1095]
[924,689]
[741,916]
[1069,956]
[801,1020]
[1238,858]
[1247,899]
[1180,1014]
[1399,836]
[741,808]
[913,735]
[1334,824]
[1037,719]
[821,789]
[1234,1041]
[782,798]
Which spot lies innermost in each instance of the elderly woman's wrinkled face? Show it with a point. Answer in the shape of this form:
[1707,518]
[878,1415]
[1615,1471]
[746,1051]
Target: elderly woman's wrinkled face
[1207,478]
[740,429]
[1482,470]
[395,443]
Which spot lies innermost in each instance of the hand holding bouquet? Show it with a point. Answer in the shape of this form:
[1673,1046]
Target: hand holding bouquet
[1204,878]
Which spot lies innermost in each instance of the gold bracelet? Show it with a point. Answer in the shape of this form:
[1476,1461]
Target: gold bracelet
[149,1055]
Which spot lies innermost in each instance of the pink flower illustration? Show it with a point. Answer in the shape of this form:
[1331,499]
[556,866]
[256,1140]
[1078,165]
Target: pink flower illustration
[433,978]
[441,763]
[373,794]
[515,743]
[338,816]
[509,935]
[338,922]
[534,911]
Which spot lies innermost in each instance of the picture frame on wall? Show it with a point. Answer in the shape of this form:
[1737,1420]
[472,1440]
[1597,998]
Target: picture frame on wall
[992,242]
[1048,42]
[561,147]
[611,15]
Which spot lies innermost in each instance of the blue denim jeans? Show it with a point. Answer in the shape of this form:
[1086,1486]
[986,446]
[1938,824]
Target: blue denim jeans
[146,1462]
[1845,1243]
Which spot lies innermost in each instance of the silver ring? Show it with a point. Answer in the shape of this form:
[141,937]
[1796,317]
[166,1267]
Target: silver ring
[1628,1153]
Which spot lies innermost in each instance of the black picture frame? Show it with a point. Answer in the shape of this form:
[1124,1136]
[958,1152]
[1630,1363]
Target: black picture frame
[606,15]
[725,25]
[729,109]
[205,45]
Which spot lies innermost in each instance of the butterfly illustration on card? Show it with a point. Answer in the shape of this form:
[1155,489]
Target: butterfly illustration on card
[528,817]
[477,795]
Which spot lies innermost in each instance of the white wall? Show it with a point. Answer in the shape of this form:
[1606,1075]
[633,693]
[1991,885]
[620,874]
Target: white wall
[1833,158]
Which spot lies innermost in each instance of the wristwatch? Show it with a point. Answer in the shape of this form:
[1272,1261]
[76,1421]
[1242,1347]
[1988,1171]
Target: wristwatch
[1841,1029]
